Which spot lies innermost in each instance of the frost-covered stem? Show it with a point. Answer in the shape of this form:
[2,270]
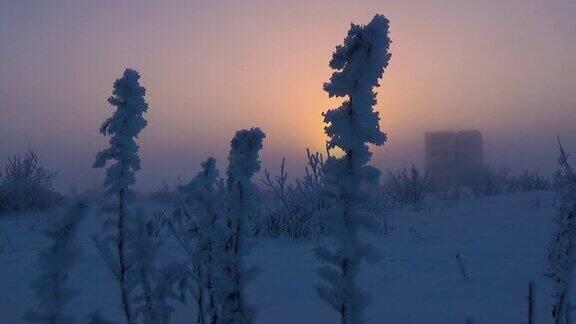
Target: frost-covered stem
[149,289]
[212,312]
[146,283]
[461,266]
[531,303]
[278,185]
[122,128]
[121,232]
[358,64]
[239,246]
[144,274]
[348,265]
[7,238]
[210,269]
[562,307]
[243,164]
[234,303]
[51,289]
[561,255]
[200,292]
[207,251]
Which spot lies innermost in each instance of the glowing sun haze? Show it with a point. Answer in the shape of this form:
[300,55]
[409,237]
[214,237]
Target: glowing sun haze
[212,67]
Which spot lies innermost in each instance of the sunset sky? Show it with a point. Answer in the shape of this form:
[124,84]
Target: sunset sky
[507,68]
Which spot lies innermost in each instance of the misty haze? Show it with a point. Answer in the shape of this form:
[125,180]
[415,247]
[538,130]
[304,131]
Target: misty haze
[287,162]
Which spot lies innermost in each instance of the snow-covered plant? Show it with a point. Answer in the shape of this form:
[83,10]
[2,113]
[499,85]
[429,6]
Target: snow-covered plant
[407,187]
[184,228]
[314,178]
[148,289]
[123,128]
[243,163]
[169,280]
[26,185]
[206,250]
[279,185]
[282,216]
[52,289]
[142,247]
[528,180]
[294,206]
[561,254]
[493,182]
[359,63]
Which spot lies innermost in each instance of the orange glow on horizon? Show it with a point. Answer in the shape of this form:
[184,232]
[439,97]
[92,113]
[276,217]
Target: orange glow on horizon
[211,68]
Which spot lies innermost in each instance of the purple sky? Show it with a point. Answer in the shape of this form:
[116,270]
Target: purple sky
[506,68]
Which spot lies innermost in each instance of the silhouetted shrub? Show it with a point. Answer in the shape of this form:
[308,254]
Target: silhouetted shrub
[407,187]
[494,182]
[528,180]
[498,181]
[293,208]
[26,185]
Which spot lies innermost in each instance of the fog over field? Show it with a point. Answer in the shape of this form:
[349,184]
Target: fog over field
[247,162]
[505,68]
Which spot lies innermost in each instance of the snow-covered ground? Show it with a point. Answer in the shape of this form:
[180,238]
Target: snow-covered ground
[502,242]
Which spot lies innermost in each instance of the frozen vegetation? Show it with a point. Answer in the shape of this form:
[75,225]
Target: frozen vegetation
[358,64]
[26,185]
[244,246]
[561,251]
[122,129]
[502,241]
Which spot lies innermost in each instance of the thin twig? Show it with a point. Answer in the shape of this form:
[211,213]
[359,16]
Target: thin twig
[461,266]
[531,303]
[7,239]
[415,232]
[104,256]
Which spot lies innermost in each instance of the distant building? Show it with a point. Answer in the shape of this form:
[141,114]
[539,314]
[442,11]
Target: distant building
[454,158]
